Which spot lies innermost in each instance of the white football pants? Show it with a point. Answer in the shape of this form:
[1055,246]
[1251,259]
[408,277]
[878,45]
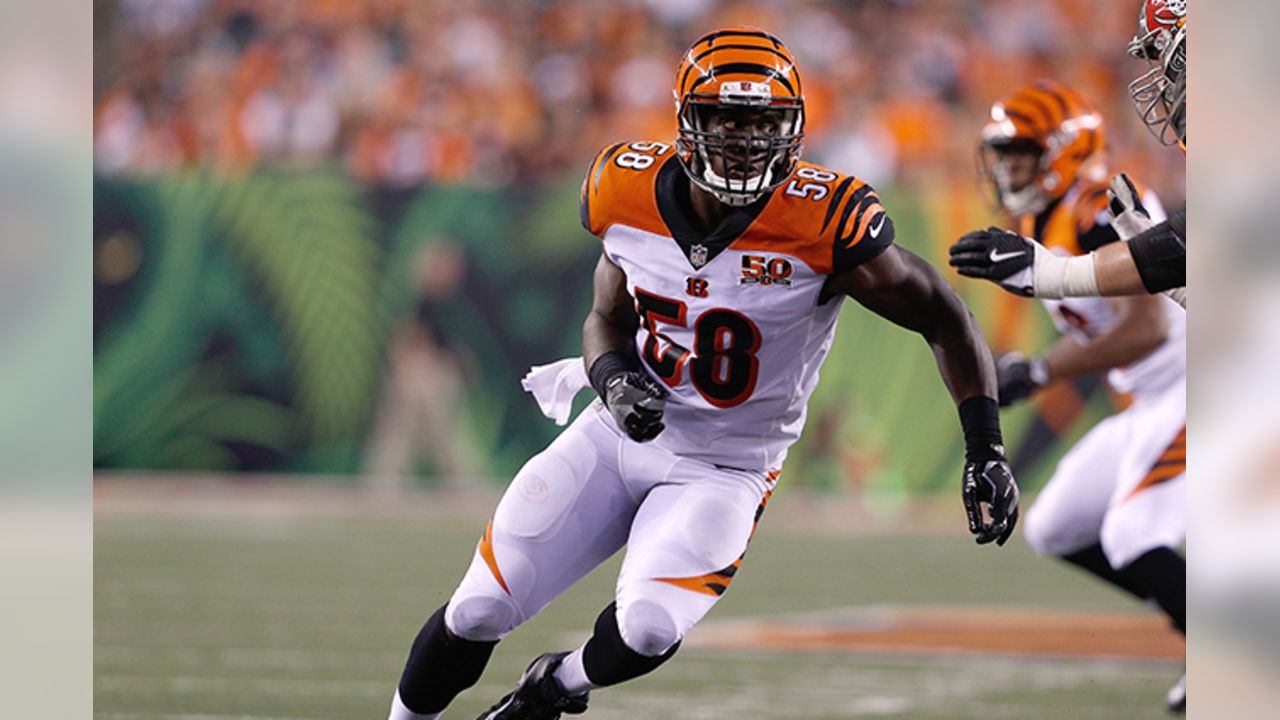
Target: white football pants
[1123,485]
[685,523]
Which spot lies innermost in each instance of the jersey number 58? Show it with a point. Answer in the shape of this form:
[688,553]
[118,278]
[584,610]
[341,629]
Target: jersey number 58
[722,367]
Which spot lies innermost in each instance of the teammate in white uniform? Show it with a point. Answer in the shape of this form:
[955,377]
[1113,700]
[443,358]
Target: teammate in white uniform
[1116,505]
[724,266]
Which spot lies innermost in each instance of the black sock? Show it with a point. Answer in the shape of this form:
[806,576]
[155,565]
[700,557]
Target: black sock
[1095,561]
[1161,574]
[440,666]
[607,659]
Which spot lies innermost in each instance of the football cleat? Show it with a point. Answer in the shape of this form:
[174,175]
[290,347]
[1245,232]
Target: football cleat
[1176,699]
[538,695]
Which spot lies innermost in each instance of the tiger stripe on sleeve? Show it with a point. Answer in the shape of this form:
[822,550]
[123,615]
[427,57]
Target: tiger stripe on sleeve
[858,225]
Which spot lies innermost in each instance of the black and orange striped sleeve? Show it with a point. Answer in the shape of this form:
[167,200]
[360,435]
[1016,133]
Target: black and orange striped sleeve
[590,203]
[857,225]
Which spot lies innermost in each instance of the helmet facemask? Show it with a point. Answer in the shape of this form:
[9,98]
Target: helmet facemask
[995,160]
[1160,94]
[739,145]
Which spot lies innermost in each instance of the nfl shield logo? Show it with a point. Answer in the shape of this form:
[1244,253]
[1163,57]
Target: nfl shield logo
[698,255]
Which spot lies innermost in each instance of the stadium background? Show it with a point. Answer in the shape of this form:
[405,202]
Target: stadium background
[329,239]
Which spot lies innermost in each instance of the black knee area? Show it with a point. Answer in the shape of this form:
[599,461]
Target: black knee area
[608,660]
[1093,560]
[1161,575]
[440,666]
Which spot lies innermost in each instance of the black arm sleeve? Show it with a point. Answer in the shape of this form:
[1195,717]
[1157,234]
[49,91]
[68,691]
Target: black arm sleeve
[1161,254]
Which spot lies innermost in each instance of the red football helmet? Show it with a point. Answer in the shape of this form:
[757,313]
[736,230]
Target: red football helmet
[1160,94]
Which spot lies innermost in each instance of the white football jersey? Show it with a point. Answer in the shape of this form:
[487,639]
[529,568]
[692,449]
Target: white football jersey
[1075,226]
[733,323]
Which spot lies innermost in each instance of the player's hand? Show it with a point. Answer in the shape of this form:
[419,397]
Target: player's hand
[1128,216]
[1018,376]
[1003,257]
[636,403]
[990,483]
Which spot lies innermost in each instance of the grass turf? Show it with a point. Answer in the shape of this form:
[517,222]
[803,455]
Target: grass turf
[214,618]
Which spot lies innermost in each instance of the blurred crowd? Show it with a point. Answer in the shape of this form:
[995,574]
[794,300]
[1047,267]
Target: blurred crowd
[498,92]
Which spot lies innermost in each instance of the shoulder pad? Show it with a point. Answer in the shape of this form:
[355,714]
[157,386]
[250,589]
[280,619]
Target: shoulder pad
[617,179]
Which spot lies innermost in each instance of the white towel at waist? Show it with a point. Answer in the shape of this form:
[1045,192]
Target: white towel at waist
[554,386]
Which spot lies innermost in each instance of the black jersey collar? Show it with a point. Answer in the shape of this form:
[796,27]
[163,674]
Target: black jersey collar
[672,191]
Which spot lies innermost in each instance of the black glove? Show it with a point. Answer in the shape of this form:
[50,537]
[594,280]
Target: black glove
[1003,257]
[990,482]
[636,403]
[1018,376]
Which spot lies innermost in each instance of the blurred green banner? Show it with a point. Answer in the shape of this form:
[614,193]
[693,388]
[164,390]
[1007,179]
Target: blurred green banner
[286,321]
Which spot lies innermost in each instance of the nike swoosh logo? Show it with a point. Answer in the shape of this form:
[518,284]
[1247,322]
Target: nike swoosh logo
[875,231]
[999,256]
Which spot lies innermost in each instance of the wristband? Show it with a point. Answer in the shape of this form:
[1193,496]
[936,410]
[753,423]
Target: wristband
[980,418]
[1161,257]
[608,366]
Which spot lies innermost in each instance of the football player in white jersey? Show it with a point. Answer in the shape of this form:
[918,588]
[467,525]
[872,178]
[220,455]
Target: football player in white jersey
[1116,505]
[1153,256]
[724,267]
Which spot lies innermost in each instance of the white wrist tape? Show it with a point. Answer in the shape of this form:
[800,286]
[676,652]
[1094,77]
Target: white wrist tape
[1056,277]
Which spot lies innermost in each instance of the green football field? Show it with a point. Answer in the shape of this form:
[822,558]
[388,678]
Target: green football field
[261,616]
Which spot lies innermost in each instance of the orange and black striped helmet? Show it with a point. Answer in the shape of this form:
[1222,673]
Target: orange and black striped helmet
[1058,122]
[748,72]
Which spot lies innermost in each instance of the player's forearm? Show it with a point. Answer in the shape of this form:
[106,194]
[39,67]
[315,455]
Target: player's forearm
[1152,262]
[1115,271]
[1120,346]
[601,334]
[963,357]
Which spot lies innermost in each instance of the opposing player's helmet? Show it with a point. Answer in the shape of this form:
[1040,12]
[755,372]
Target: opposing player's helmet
[1058,122]
[1160,94]
[732,69]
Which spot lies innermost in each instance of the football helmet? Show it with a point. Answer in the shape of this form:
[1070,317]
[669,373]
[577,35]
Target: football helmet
[1059,124]
[747,75]
[1160,94]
